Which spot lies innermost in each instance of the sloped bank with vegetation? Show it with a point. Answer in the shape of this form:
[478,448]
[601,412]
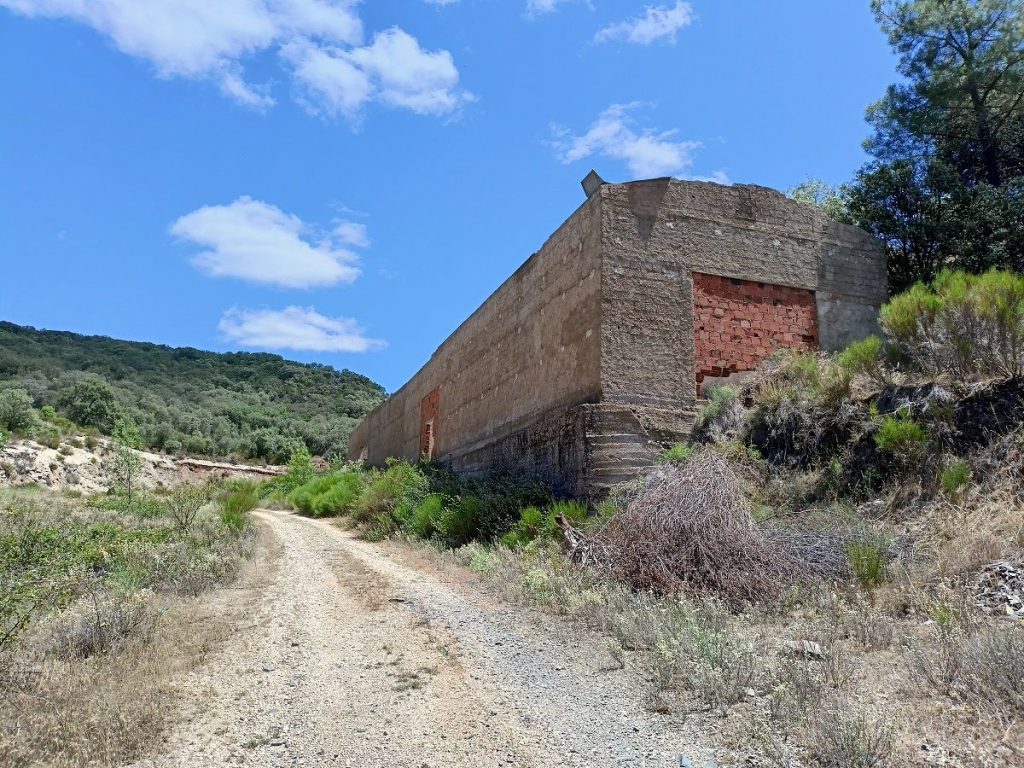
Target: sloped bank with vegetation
[829,574]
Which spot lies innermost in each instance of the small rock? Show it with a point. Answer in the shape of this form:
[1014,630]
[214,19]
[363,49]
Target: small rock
[808,649]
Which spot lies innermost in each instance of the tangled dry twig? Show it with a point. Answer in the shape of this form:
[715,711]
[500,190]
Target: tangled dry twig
[693,532]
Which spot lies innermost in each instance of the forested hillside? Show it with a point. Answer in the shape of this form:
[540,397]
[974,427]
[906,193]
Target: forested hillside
[256,406]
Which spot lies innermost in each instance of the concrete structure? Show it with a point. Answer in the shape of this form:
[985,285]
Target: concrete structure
[589,359]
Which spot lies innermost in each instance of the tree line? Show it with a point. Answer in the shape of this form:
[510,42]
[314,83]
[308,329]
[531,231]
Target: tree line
[242,405]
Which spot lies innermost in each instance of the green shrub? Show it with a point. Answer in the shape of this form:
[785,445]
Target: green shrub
[237,500]
[955,477]
[460,521]
[501,496]
[340,497]
[573,512]
[677,454]
[534,523]
[302,497]
[391,496]
[865,357]
[721,398]
[426,516]
[16,411]
[902,437]
[531,525]
[967,325]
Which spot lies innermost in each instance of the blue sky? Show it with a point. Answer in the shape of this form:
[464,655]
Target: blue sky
[345,182]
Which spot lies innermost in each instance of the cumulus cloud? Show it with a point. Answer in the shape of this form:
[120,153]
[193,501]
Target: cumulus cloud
[321,41]
[393,69]
[296,328]
[256,241]
[657,23]
[645,152]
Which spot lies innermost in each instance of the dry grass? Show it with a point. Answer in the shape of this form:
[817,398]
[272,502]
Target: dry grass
[863,702]
[88,682]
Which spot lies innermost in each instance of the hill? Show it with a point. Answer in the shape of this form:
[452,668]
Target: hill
[254,406]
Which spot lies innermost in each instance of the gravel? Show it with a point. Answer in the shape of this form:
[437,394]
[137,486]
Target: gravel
[353,656]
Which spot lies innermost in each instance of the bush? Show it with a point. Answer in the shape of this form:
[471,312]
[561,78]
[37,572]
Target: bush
[955,477]
[902,437]
[868,560]
[239,498]
[965,325]
[426,517]
[865,357]
[16,412]
[391,496]
[185,502]
[502,496]
[842,737]
[460,520]
[302,498]
[722,415]
[99,623]
[340,498]
[534,524]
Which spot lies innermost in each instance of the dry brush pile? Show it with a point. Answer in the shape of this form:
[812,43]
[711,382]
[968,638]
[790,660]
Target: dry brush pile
[692,531]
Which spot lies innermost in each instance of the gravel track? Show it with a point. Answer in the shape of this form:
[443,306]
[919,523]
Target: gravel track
[351,655]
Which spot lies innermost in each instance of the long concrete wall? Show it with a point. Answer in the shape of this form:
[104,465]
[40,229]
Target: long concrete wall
[528,354]
[583,362]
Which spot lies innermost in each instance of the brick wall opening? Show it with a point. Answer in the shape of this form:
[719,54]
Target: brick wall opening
[738,323]
[430,414]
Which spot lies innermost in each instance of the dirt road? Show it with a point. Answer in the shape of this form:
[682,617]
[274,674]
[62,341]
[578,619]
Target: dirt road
[350,655]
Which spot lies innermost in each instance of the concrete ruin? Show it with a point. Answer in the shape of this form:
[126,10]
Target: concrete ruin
[590,359]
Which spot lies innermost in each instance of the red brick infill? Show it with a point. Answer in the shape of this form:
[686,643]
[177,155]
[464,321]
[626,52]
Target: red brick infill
[738,323]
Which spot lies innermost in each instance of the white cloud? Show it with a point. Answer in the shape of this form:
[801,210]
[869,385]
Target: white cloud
[538,7]
[298,328]
[332,84]
[646,153]
[393,69]
[351,233]
[321,41]
[255,241]
[657,23]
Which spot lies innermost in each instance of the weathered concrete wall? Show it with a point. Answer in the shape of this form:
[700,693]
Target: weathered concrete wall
[658,233]
[530,353]
[585,360]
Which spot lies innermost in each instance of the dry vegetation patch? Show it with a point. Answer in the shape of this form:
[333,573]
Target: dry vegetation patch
[98,614]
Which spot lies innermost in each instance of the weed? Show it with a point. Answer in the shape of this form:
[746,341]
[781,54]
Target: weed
[869,560]
[679,453]
[902,437]
[955,477]
[842,737]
